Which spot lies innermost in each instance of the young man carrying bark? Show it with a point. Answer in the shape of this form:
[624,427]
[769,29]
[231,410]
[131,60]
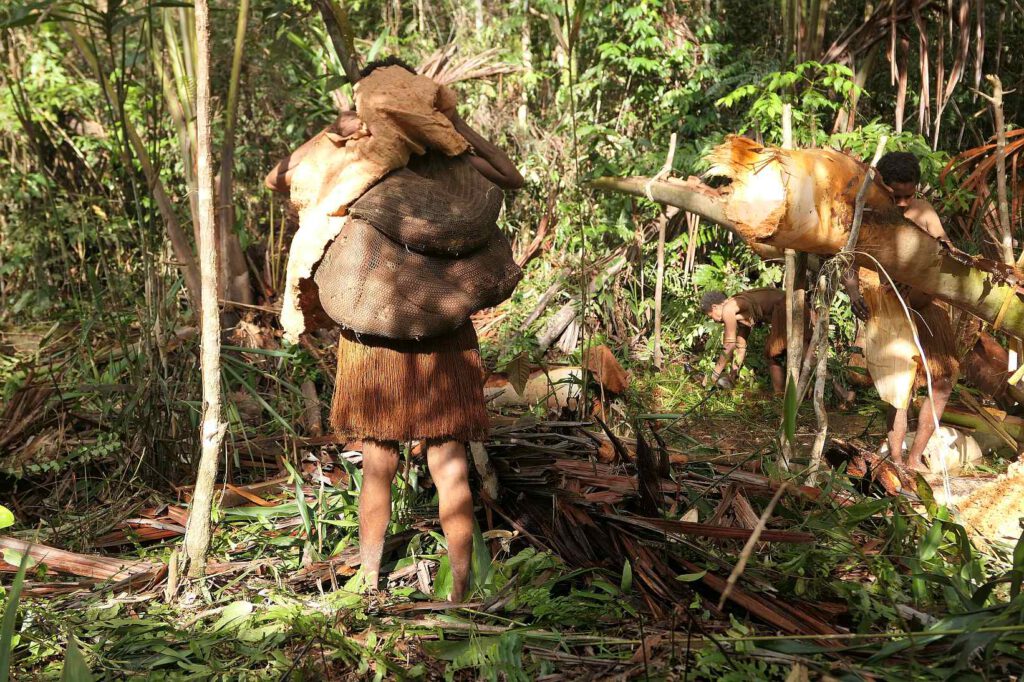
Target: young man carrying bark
[893,357]
[398,205]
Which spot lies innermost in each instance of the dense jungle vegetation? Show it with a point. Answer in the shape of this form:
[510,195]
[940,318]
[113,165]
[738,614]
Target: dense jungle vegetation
[100,397]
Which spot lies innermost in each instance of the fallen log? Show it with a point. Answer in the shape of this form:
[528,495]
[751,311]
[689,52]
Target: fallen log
[803,200]
[84,565]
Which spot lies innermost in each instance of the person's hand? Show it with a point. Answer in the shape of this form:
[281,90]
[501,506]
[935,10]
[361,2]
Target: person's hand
[710,379]
[851,283]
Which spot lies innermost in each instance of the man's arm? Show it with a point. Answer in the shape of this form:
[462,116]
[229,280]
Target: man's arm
[851,282]
[730,339]
[741,348]
[491,161]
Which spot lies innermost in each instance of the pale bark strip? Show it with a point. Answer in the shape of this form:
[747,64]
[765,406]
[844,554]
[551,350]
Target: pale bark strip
[197,530]
[179,242]
[794,307]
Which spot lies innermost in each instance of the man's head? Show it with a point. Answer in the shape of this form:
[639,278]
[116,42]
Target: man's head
[711,303]
[900,172]
[380,63]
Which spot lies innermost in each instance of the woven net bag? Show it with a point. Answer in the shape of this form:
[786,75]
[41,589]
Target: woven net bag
[399,277]
[438,205]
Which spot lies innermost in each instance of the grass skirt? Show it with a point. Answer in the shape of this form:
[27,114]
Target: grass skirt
[410,390]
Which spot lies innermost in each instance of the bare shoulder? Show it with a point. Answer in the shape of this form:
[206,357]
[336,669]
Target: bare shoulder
[732,307]
[924,215]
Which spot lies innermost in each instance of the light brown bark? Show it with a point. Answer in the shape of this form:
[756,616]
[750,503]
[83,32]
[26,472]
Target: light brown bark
[197,531]
[907,253]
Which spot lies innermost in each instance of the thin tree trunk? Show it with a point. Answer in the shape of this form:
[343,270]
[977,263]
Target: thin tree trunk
[340,30]
[197,531]
[820,377]
[526,45]
[794,307]
[1002,203]
[236,286]
[659,283]
[1006,234]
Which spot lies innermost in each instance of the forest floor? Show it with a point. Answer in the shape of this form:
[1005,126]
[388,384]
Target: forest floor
[601,559]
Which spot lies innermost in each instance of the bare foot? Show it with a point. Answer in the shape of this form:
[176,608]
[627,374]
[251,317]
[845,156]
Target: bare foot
[918,465]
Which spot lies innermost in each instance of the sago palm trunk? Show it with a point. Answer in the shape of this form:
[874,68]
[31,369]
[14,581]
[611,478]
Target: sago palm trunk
[907,254]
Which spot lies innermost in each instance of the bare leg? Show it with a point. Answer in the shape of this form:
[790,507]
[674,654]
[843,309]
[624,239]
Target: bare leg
[380,464]
[777,372]
[941,390]
[450,471]
[897,432]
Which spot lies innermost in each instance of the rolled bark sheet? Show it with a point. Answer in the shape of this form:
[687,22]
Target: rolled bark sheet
[804,199]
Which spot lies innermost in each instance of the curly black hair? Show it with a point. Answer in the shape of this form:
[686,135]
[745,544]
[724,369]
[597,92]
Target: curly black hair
[711,299]
[386,61]
[899,167]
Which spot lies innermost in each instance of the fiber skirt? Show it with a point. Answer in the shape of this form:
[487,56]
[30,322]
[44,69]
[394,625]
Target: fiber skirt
[776,344]
[390,390]
[939,343]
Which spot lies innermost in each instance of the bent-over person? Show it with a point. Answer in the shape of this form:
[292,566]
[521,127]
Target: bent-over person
[738,315]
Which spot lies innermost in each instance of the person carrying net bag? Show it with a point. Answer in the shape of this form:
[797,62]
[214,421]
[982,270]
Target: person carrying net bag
[398,246]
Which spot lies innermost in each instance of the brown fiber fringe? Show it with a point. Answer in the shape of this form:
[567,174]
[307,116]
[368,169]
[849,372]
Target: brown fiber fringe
[410,390]
[776,343]
[939,343]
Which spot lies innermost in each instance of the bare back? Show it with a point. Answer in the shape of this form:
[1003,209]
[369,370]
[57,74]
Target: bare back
[755,306]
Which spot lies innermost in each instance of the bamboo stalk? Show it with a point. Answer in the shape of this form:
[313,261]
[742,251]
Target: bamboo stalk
[235,283]
[197,531]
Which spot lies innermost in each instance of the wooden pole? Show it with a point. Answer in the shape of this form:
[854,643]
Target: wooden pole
[197,530]
[1002,203]
[659,282]
[794,302]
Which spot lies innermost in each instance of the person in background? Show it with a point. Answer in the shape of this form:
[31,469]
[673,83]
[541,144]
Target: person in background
[739,314]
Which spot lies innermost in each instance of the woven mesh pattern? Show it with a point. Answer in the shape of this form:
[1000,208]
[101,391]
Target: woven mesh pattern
[373,285]
[372,281]
[438,205]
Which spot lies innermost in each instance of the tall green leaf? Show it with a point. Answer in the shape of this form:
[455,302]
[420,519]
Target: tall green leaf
[10,616]
[75,667]
[789,410]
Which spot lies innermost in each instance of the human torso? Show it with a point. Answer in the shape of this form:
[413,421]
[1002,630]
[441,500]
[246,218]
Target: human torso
[756,305]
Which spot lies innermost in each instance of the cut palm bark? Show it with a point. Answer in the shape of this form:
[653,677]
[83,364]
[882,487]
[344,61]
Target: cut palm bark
[85,565]
[803,200]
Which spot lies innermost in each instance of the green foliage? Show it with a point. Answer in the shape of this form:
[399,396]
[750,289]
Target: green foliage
[815,91]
